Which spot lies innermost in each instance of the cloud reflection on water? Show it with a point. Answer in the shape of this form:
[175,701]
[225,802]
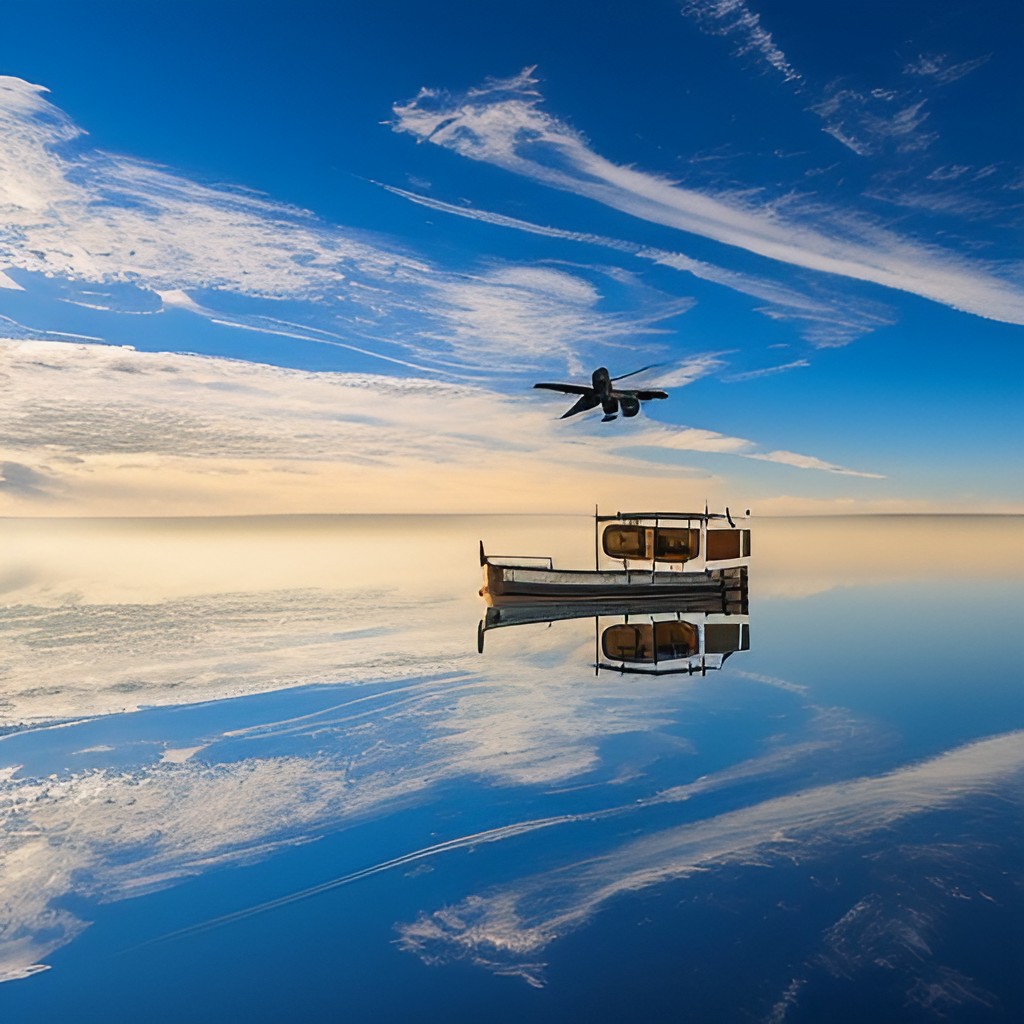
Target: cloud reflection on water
[509,927]
[107,834]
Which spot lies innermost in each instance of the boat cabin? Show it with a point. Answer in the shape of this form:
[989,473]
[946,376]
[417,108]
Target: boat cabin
[651,543]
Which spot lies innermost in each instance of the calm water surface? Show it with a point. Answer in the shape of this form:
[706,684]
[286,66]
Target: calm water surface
[256,770]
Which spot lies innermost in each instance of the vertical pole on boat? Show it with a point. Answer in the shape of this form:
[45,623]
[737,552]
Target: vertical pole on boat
[704,534]
[597,561]
[654,559]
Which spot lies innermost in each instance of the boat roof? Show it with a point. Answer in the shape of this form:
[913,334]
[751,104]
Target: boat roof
[686,516]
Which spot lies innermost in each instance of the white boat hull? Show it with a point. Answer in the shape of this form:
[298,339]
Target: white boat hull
[508,584]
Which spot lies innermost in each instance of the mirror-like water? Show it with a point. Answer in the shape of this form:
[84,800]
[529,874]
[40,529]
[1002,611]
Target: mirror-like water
[256,769]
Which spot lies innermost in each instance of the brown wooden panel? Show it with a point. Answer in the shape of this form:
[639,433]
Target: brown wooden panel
[728,544]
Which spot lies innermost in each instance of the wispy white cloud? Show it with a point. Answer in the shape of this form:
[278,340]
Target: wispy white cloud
[495,316]
[737,20]
[888,120]
[958,203]
[959,194]
[501,123]
[679,374]
[810,462]
[767,371]
[938,67]
[74,213]
[869,122]
[826,322]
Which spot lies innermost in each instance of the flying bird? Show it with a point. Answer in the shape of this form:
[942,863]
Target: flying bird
[601,393]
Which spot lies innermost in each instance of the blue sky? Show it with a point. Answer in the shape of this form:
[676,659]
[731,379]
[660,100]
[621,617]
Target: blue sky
[810,216]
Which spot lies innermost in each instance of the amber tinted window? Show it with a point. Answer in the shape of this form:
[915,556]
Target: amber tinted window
[676,545]
[649,643]
[624,642]
[625,541]
[675,639]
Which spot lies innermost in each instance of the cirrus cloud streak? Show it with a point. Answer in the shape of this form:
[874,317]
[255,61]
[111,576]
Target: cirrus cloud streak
[502,123]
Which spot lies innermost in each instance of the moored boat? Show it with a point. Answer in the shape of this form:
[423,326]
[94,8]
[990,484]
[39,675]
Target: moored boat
[641,542]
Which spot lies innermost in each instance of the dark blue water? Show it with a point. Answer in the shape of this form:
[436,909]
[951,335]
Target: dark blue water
[368,821]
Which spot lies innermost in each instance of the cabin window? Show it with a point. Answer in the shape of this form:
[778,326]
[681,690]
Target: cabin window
[676,545]
[627,643]
[625,541]
[650,643]
[675,640]
[726,637]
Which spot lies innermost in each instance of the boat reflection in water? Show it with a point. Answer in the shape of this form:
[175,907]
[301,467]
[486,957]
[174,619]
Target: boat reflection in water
[649,638]
[671,646]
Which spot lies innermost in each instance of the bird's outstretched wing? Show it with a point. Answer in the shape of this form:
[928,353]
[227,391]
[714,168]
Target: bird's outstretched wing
[587,401]
[646,396]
